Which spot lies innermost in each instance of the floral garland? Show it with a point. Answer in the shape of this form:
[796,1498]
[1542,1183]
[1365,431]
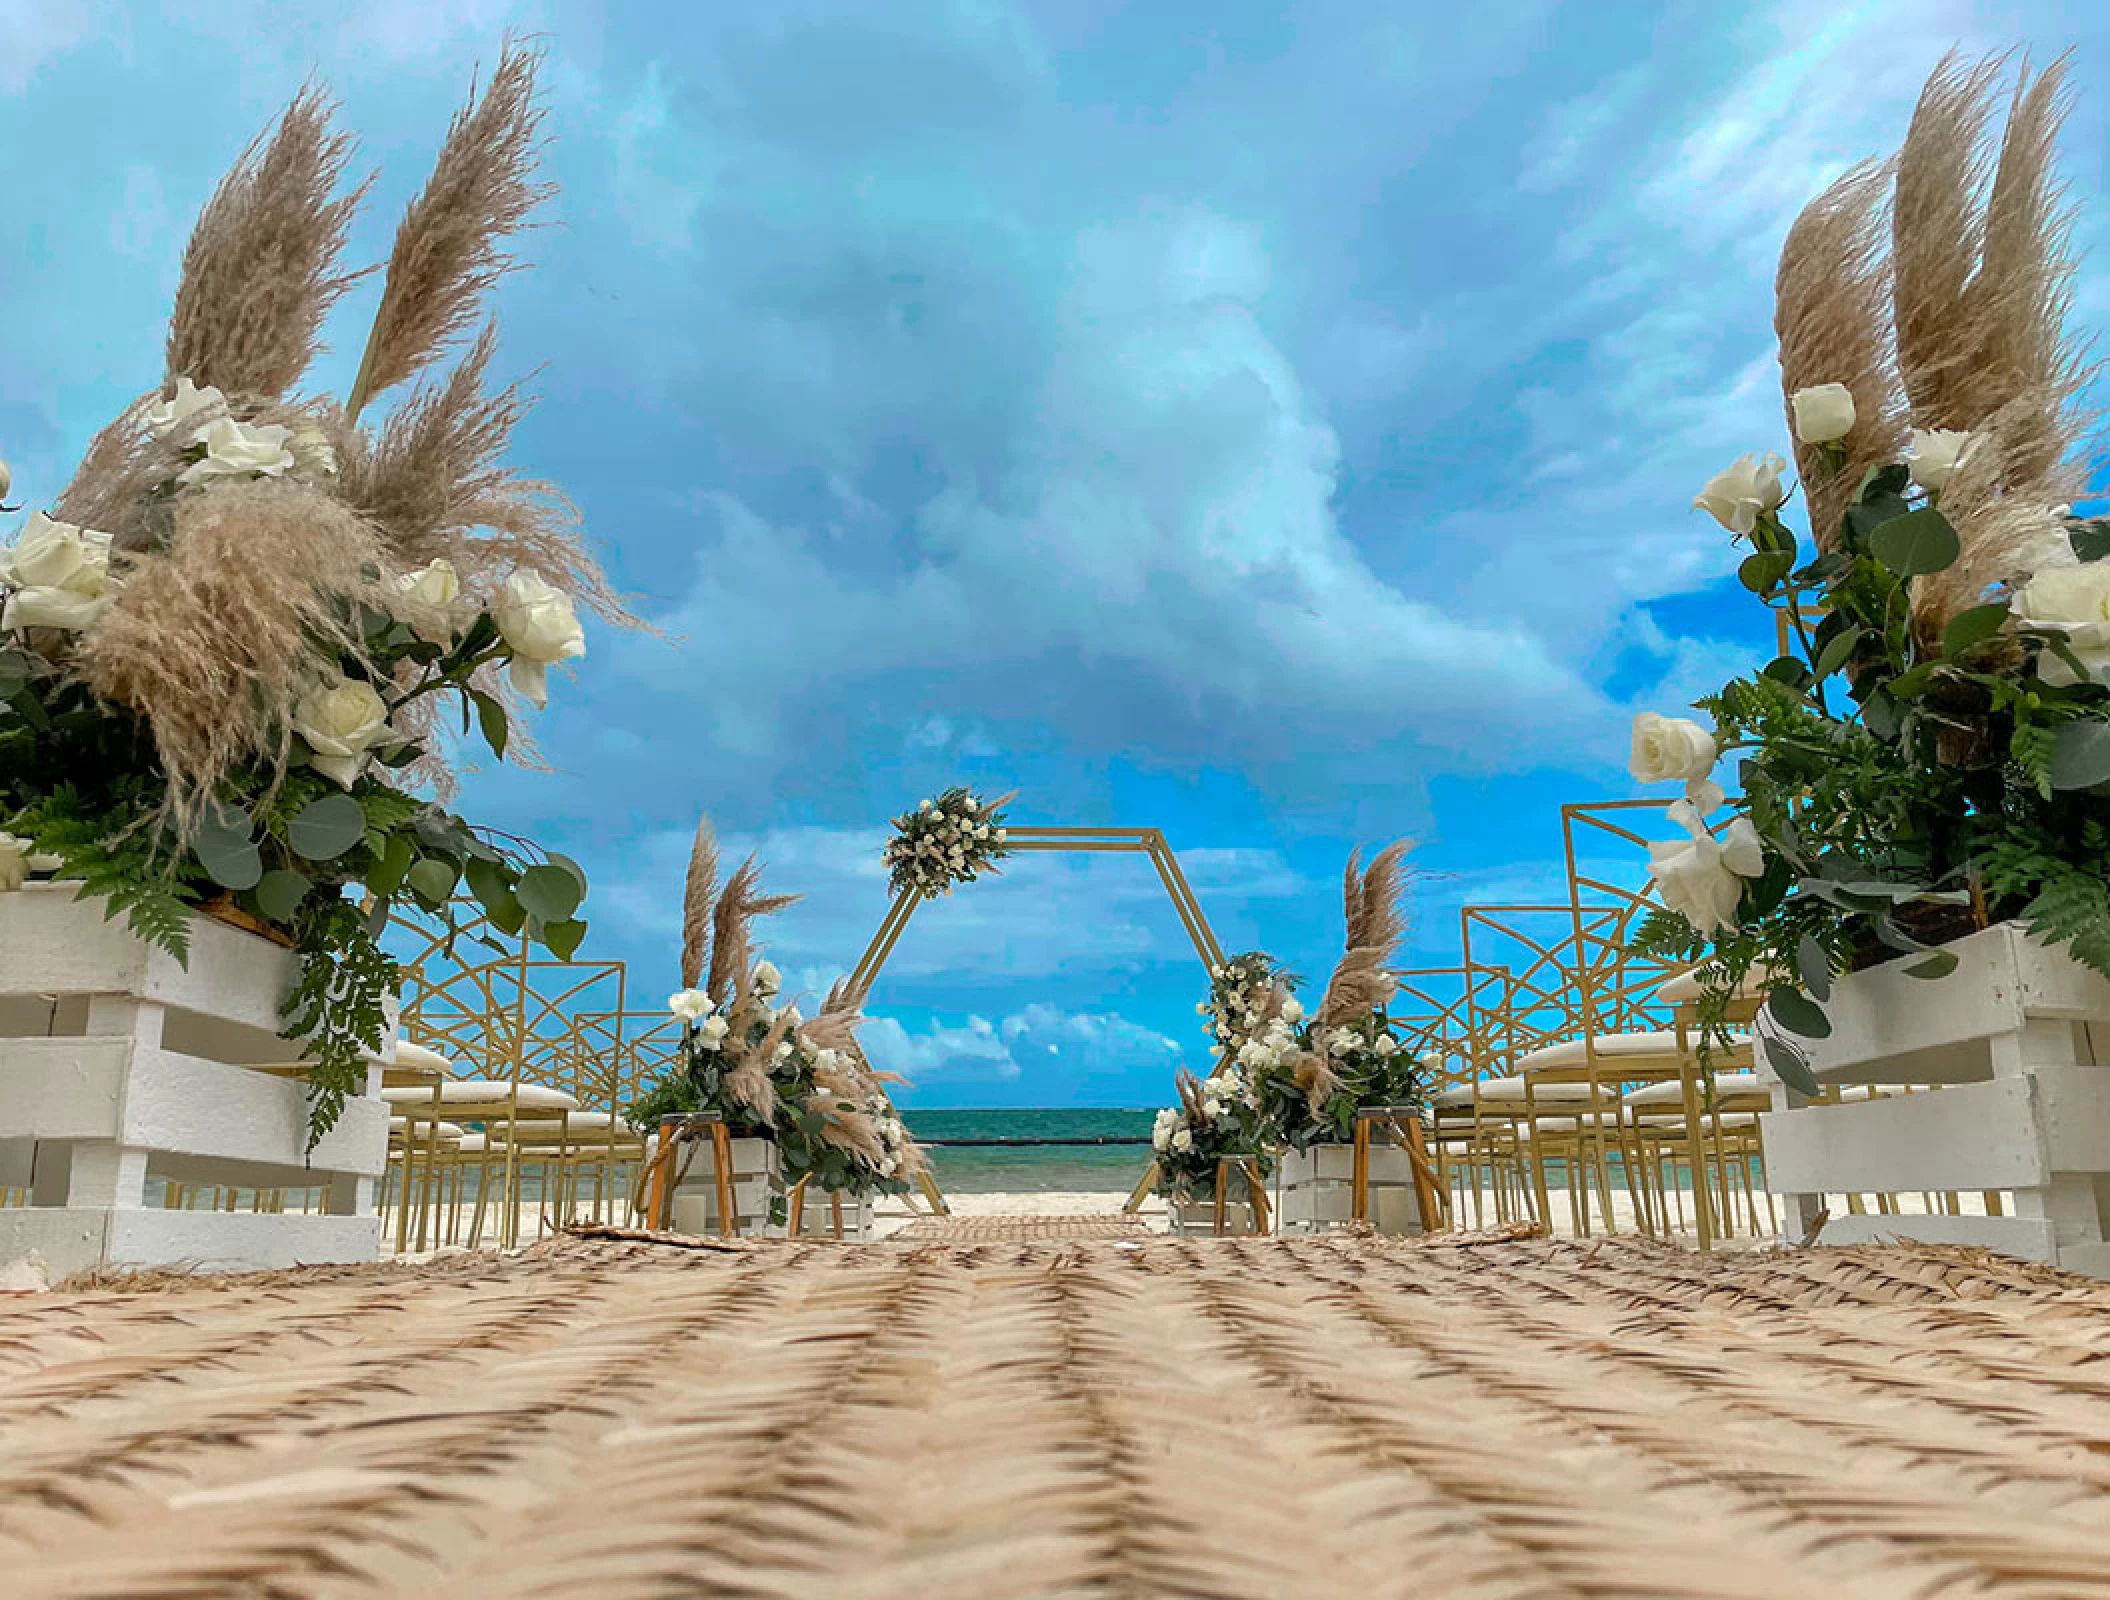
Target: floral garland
[945,841]
[1932,753]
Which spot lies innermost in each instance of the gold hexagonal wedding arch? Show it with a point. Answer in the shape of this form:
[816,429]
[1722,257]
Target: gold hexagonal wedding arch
[1083,841]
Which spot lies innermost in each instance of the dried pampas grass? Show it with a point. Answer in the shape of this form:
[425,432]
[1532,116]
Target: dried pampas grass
[1831,310]
[213,639]
[448,251]
[434,481]
[702,885]
[112,489]
[2015,309]
[260,273]
[732,922]
[1375,921]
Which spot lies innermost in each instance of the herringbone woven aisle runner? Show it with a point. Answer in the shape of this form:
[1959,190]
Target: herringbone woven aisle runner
[1258,1419]
[1008,1230]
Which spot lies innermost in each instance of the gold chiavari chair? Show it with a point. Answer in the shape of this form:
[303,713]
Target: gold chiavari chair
[1432,1010]
[1554,1108]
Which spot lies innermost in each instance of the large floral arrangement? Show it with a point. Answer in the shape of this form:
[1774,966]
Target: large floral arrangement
[1217,1119]
[1310,1080]
[951,839]
[748,1054]
[1931,752]
[229,651]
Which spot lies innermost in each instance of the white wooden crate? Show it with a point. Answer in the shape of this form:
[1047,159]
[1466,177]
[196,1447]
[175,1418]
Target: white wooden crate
[119,1067]
[2012,1050]
[817,1216]
[757,1180]
[1315,1189]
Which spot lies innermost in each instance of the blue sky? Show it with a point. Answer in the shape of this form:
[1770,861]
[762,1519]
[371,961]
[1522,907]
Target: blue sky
[1271,423]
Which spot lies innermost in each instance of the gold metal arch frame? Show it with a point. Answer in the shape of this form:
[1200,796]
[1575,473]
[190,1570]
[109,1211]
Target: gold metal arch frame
[1046,841]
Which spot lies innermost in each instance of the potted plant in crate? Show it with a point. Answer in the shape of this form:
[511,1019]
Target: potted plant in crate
[1211,1155]
[1315,1084]
[229,651]
[785,1099]
[1923,770]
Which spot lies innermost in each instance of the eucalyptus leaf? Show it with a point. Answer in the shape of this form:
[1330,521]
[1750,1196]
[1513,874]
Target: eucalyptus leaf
[2090,540]
[1939,964]
[226,849]
[14,672]
[2080,755]
[564,938]
[492,885]
[431,881]
[491,718]
[1798,1013]
[571,867]
[1761,573]
[322,830]
[279,894]
[1838,652]
[1916,544]
[1815,967]
[1790,1067]
[1971,628]
[549,894]
[398,854]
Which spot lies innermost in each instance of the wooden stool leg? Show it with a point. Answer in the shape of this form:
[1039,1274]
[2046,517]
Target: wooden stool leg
[722,1168]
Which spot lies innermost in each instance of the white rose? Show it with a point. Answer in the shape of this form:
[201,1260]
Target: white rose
[7,479]
[712,1029]
[342,722]
[1183,1140]
[1742,492]
[60,575]
[1823,412]
[1160,1137]
[1936,453]
[313,454]
[2076,602]
[923,805]
[1702,878]
[240,450]
[767,979]
[1670,750]
[968,805]
[1003,835]
[1292,1010]
[1387,1045]
[691,1005]
[179,414]
[14,862]
[432,595]
[540,627]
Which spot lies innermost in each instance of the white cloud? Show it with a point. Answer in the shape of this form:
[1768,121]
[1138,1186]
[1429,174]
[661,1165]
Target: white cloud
[1059,1055]
[33,32]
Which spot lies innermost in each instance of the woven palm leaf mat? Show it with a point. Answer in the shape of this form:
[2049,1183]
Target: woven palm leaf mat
[1263,1419]
[1003,1230]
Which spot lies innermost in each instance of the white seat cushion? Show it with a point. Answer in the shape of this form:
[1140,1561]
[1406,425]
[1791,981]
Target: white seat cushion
[473,1144]
[1613,1047]
[483,1092]
[1508,1093]
[448,1130]
[1729,1119]
[1684,989]
[1727,1086]
[416,1055]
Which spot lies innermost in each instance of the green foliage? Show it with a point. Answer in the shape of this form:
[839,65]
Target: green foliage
[1905,790]
[338,1007]
[114,857]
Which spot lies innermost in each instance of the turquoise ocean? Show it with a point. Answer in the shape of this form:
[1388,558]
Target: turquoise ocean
[1111,1169]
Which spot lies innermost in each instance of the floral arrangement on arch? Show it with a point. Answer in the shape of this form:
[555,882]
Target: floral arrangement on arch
[1217,1119]
[951,839]
[1309,1082]
[771,1072]
[230,650]
[1249,994]
[1931,754]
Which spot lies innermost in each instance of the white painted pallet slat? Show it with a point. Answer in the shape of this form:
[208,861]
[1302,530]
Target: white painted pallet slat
[2013,1043]
[119,1066]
